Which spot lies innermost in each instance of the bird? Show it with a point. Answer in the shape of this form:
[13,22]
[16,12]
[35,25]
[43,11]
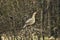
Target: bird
[31,20]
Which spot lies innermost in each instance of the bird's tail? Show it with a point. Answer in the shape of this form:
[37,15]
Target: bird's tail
[24,26]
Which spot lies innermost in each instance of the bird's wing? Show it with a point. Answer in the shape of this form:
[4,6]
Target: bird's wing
[28,21]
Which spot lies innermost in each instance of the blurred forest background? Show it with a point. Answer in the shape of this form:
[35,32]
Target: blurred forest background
[14,13]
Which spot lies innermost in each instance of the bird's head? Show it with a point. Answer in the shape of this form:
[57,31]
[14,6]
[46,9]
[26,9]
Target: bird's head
[34,13]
